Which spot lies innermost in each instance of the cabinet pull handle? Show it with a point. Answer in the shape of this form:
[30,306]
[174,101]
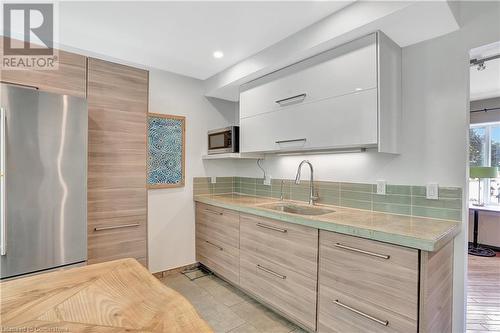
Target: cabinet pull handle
[361,313]
[217,246]
[267,270]
[20,85]
[292,99]
[270,227]
[378,255]
[213,212]
[292,140]
[116,227]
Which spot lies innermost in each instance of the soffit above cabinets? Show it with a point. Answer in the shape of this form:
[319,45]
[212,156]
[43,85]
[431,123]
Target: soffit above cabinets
[405,22]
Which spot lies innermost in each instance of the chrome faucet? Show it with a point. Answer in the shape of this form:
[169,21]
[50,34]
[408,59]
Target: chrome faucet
[312,197]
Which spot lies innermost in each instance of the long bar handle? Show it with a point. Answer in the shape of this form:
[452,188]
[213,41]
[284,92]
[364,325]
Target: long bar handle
[292,140]
[361,313]
[270,227]
[267,270]
[217,246]
[111,227]
[373,254]
[292,99]
[3,213]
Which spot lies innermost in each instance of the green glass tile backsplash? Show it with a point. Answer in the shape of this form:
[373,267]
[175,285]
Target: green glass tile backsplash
[400,199]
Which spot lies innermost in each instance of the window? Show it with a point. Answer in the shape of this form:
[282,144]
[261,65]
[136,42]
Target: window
[484,150]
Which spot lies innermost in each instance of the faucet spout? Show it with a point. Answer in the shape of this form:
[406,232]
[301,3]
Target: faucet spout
[312,196]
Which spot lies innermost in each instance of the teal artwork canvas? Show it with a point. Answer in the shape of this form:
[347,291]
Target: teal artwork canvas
[166,150]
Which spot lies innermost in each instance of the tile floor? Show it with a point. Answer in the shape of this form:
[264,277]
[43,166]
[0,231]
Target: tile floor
[227,309]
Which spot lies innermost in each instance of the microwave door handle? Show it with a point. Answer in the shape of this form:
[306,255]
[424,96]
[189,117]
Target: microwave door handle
[3,215]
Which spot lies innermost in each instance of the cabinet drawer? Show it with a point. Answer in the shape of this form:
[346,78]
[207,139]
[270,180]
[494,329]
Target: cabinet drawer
[340,71]
[293,246]
[281,287]
[218,224]
[116,241]
[378,277]
[348,120]
[221,258]
[340,312]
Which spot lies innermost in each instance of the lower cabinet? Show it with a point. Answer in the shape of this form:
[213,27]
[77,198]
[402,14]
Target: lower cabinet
[278,264]
[366,286]
[218,241]
[359,285]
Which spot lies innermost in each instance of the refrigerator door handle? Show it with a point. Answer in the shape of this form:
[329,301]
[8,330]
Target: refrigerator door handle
[3,215]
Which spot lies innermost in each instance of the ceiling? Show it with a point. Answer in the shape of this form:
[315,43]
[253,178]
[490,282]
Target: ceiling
[181,36]
[485,83]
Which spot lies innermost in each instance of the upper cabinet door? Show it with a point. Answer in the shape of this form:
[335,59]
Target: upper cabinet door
[68,79]
[337,122]
[346,69]
[348,97]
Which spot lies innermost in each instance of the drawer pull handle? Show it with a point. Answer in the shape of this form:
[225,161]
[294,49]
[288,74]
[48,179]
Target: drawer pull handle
[291,100]
[213,212]
[217,246]
[378,255]
[270,227]
[267,270]
[116,227]
[292,140]
[361,313]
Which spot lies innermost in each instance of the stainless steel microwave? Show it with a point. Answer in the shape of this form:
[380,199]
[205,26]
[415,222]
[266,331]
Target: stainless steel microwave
[224,140]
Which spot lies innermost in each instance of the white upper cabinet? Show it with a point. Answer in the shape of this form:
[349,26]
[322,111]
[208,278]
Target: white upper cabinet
[337,99]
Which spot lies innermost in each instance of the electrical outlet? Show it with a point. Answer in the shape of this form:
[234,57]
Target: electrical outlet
[213,180]
[432,191]
[381,186]
[267,180]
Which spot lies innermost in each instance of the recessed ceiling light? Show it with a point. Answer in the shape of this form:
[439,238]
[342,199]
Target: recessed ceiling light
[218,54]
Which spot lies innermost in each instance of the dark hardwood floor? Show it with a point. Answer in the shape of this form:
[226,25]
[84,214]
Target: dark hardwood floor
[483,294]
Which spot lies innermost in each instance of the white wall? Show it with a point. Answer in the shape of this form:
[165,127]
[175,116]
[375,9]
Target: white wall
[171,231]
[435,126]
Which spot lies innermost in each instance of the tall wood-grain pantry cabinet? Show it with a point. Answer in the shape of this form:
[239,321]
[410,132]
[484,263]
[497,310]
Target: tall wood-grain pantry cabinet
[117,196]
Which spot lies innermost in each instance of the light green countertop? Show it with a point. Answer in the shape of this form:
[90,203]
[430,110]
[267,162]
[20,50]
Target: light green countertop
[416,232]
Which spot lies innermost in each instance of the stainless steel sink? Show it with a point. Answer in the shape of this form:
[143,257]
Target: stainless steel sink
[298,209]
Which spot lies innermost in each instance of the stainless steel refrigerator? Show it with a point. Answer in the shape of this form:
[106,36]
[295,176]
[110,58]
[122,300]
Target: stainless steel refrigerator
[43,197]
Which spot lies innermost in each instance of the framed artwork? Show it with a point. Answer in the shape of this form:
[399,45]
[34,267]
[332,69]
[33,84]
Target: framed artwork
[166,150]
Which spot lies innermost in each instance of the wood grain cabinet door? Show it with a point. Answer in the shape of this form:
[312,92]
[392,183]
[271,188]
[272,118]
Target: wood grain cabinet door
[117,194]
[68,79]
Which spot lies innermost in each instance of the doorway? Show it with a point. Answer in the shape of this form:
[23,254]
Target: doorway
[483,277]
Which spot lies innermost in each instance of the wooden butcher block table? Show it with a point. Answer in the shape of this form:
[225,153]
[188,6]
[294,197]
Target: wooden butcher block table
[116,296]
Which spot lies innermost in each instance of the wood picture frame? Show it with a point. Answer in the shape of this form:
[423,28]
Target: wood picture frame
[159,142]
